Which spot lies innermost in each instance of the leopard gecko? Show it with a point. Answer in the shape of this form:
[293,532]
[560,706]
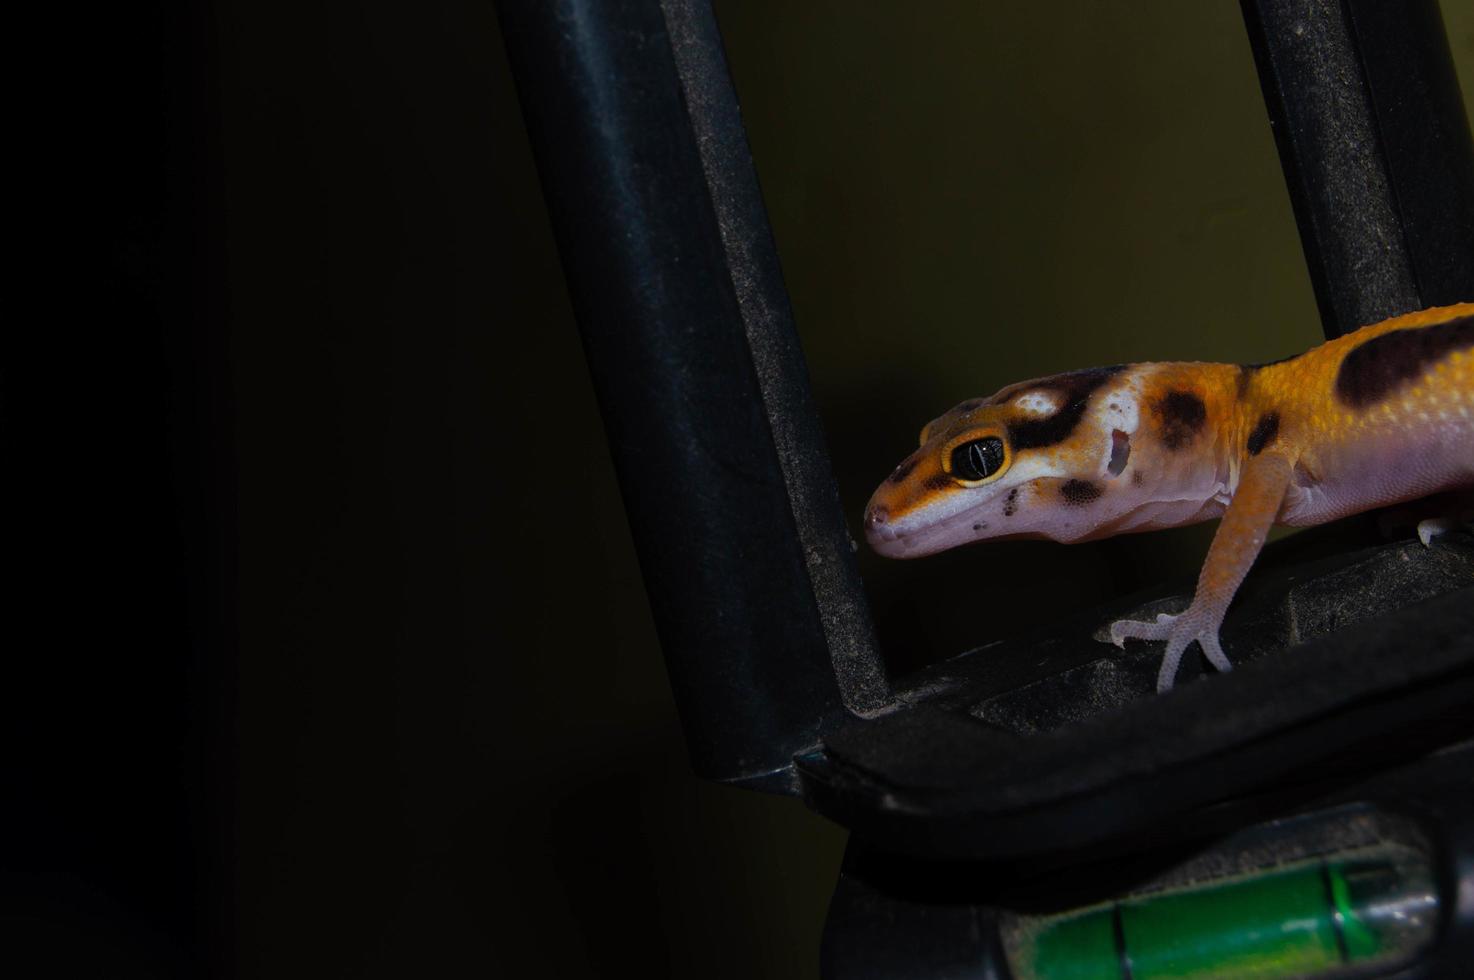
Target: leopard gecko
[1376,417]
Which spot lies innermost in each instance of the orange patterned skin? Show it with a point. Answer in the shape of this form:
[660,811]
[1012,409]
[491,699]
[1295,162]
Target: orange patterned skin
[1379,416]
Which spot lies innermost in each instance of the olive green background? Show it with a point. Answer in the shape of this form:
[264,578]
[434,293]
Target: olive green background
[441,741]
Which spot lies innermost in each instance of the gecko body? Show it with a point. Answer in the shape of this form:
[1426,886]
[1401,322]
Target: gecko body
[1376,417]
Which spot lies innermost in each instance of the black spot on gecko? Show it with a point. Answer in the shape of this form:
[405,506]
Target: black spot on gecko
[1376,369]
[1264,432]
[1183,415]
[1136,478]
[904,470]
[1072,391]
[980,526]
[941,481]
[1079,492]
[1010,503]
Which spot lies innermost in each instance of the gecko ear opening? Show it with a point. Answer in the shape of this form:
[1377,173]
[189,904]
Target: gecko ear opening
[1120,453]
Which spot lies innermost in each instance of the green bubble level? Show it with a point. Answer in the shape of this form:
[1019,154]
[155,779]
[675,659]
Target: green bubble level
[1309,920]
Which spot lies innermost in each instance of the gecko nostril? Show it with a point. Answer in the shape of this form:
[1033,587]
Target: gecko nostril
[878,523]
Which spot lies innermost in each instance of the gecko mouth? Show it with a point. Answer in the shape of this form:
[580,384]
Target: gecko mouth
[914,537]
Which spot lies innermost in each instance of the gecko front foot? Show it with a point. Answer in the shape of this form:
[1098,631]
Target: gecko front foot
[1179,632]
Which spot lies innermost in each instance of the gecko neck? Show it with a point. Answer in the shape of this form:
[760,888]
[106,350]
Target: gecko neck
[1184,465]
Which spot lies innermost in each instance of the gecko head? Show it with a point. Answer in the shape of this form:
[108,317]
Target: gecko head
[1033,461]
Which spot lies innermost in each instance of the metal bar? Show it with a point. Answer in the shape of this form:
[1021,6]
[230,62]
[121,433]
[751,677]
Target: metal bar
[1376,152]
[683,386]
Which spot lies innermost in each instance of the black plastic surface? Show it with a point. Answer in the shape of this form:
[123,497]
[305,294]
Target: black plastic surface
[1090,754]
[1423,132]
[1376,152]
[752,260]
[700,382]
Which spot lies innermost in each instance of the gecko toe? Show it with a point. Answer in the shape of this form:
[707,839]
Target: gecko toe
[1213,650]
[1167,673]
[1183,636]
[1432,528]
[1180,632]
[1135,629]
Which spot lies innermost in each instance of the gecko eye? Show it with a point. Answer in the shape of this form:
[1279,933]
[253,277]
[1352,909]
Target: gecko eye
[978,459]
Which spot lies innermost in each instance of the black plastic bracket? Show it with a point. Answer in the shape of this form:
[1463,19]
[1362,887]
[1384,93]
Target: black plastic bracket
[1376,151]
[701,382]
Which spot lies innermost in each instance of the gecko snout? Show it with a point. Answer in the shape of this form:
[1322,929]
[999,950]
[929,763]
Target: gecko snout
[878,523]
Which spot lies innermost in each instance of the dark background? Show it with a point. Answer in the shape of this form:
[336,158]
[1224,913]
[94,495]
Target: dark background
[328,651]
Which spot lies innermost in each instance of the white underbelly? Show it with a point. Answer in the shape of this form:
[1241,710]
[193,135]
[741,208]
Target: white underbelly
[1386,467]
